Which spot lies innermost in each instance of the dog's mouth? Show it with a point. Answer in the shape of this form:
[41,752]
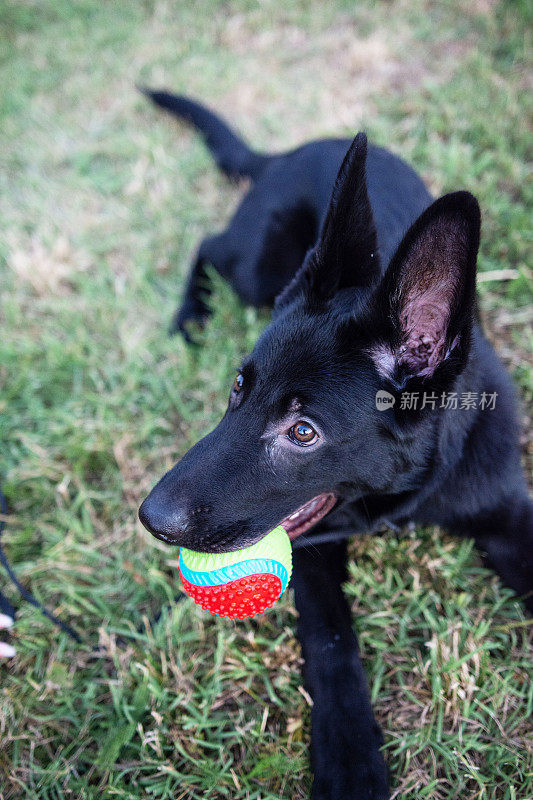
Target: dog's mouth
[309,514]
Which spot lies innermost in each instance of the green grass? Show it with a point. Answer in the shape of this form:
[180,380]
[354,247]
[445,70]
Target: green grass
[102,201]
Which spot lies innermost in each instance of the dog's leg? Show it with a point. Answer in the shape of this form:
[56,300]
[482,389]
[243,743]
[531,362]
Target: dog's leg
[505,539]
[193,307]
[346,740]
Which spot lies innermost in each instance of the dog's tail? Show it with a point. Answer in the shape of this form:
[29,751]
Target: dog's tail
[231,153]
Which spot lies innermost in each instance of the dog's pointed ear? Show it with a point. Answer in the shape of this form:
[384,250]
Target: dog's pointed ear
[348,246]
[426,300]
[346,254]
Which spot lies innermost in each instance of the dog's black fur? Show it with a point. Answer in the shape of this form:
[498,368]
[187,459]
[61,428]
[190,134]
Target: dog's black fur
[384,299]
[280,216]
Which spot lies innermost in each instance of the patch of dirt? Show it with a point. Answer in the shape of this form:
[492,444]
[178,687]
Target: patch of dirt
[47,269]
[330,78]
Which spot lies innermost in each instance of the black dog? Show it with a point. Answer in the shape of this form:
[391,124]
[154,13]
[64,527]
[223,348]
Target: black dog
[356,403]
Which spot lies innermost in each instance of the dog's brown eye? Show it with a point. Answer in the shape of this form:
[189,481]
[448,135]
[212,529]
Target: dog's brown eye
[302,433]
[238,382]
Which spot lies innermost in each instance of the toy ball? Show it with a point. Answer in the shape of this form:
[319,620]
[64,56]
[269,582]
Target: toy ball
[242,583]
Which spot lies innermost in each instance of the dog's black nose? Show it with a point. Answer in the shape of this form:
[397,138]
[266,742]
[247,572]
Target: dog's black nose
[168,522]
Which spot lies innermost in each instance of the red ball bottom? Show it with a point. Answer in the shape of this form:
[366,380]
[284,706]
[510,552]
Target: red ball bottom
[239,599]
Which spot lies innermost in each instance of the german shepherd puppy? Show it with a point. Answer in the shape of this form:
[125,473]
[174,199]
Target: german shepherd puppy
[372,395]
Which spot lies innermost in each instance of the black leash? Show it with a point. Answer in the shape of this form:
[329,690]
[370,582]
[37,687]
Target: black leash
[5,605]
[7,608]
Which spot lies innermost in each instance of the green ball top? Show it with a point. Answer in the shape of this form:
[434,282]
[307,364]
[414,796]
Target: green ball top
[275,546]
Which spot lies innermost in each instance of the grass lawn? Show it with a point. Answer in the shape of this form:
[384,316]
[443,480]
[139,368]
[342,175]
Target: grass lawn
[102,202]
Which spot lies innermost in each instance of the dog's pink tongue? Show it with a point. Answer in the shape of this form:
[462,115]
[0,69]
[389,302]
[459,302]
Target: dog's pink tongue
[309,514]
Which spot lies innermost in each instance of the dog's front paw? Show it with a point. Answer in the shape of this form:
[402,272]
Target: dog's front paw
[191,313]
[348,763]
[359,782]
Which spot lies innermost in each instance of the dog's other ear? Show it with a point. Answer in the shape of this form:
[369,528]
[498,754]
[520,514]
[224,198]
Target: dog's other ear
[426,300]
[346,254]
